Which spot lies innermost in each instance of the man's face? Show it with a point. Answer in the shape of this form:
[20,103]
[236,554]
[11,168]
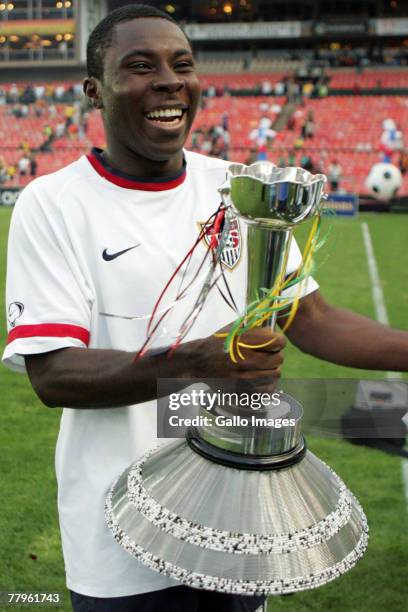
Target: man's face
[150,89]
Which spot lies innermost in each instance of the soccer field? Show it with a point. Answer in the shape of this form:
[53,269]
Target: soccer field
[30,549]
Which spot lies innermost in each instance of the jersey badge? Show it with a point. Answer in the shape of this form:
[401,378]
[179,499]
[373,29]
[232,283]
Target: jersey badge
[232,251]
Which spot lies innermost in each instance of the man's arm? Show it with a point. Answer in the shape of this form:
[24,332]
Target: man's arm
[99,378]
[346,338]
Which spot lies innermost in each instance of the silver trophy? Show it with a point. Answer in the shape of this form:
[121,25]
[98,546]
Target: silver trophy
[246,510]
[271,201]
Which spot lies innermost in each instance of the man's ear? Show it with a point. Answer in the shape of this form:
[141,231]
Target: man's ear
[92,90]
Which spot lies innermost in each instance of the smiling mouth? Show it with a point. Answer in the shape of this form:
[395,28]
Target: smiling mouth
[168,116]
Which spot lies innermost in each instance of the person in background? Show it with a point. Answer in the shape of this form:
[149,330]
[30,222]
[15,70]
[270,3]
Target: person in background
[50,93]
[322,90]
[252,157]
[292,158]
[69,114]
[306,162]
[334,175]
[25,147]
[52,111]
[403,161]
[291,125]
[321,162]
[3,171]
[59,93]
[266,88]
[83,125]
[13,95]
[12,174]
[307,89]
[308,127]
[220,142]
[23,165]
[60,129]
[280,88]
[33,165]
[49,139]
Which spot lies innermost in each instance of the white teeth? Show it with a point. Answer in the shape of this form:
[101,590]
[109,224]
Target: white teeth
[170,113]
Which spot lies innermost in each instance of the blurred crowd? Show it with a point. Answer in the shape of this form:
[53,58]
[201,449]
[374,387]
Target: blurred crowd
[294,88]
[59,109]
[40,93]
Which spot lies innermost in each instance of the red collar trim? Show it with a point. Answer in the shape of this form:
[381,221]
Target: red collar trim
[128,182]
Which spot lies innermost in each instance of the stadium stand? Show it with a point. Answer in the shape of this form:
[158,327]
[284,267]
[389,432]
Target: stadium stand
[373,79]
[346,127]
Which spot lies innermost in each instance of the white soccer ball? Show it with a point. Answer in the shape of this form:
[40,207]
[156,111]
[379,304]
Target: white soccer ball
[384,181]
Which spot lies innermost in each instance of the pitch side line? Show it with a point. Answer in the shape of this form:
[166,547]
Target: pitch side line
[381,315]
[377,292]
[376,288]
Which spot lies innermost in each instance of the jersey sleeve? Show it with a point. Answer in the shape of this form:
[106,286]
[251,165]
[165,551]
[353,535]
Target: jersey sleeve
[309,285]
[48,302]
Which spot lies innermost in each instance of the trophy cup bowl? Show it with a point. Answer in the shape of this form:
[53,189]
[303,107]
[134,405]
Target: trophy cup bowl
[267,195]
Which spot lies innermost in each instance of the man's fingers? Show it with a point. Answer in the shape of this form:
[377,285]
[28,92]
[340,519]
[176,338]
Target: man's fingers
[263,340]
[258,335]
[258,361]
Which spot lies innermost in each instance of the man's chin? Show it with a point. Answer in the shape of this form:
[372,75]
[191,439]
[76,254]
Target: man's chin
[164,154]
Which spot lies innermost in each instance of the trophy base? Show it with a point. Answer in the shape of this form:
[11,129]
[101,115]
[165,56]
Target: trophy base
[244,531]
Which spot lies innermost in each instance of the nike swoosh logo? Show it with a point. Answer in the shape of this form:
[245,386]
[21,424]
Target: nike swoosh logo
[111,256]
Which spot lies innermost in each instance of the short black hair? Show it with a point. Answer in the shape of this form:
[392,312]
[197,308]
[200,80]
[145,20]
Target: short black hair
[101,36]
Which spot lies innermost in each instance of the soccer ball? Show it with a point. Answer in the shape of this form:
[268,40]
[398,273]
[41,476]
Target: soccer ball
[384,181]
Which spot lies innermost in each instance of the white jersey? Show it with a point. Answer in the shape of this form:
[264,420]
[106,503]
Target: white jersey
[87,243]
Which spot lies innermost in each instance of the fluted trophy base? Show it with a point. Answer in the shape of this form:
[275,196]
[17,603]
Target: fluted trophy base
[230,530]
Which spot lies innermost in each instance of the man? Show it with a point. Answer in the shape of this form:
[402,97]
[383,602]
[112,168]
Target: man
[101,238]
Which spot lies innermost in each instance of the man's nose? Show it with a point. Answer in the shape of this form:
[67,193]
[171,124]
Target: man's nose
[168,80]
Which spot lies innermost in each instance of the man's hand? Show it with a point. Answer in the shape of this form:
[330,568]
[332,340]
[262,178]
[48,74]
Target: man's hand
[207,359]
[99,378]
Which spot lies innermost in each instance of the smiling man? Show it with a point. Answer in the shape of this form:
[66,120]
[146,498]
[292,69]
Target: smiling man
[143,78]
[91,248]
[100,240]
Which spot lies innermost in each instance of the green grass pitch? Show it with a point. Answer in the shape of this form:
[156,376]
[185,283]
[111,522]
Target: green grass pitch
[29,538]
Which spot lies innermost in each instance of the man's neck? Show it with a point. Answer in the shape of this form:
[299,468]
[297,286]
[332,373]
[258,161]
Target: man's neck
[137,166]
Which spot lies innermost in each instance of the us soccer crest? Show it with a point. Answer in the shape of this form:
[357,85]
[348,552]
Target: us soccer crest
[231,253]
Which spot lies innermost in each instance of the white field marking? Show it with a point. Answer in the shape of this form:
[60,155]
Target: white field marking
[382,316]
[376,288]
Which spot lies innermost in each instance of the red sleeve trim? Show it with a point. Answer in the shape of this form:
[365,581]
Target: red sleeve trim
[52,330]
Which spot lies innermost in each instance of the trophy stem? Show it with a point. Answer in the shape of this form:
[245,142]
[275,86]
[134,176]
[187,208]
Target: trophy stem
[268,250]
